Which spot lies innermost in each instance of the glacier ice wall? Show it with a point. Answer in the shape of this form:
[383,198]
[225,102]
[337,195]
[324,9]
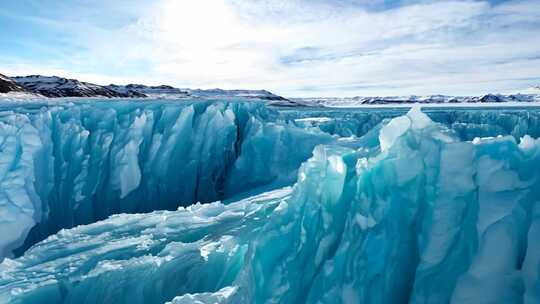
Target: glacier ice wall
[78,163]
[427,218]
[467,123]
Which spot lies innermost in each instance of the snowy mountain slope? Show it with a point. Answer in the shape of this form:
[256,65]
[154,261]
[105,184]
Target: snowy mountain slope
[8,85]
[219,93]
[54,86]
[166,91]
[148,91]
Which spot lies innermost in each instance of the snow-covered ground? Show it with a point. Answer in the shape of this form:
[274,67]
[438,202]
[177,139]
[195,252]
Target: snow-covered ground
[19,97]
[533,96]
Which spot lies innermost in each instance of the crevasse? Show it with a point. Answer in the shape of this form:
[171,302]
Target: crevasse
[426,218]
[74,164]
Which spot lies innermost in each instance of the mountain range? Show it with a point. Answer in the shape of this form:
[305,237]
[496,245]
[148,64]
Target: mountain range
[530,95]
[54,86]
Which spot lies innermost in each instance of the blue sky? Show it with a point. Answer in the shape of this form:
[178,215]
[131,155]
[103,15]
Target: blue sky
[294,47]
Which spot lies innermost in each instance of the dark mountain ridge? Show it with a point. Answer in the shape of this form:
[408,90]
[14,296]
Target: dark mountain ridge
[8,85]
[54,86]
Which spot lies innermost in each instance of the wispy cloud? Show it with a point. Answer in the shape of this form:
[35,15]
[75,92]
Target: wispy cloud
[295,47]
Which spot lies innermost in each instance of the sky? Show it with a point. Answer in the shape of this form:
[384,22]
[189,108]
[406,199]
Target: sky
[295,48]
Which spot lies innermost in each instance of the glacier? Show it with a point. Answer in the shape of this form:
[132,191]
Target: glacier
[389,206]
[73,164]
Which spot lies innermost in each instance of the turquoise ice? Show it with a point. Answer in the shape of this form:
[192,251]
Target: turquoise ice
[410,211]
[74,164]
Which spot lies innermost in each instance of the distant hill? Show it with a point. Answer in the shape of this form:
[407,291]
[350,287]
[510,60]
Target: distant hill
[8,85]
[429,99]
[161,91]
[54,86]
[219,93]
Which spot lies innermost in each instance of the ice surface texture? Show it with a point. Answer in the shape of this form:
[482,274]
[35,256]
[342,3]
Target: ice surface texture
[75,164]
[427,218]
[468,123]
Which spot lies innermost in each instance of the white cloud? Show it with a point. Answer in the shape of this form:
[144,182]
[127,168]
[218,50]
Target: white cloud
[315,48]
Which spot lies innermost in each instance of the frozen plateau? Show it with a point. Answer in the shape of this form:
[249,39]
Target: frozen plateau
[238,201]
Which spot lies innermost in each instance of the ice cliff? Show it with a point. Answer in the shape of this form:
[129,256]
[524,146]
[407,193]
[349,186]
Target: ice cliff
[74,164]
[425,217]
[468,123]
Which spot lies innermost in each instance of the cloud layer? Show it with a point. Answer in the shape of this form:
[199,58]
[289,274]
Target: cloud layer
[295,47]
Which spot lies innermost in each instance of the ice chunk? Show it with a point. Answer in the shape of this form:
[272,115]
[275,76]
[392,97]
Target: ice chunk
[398,126]
[217,297]
[419,119]
[394,129]
[527,143]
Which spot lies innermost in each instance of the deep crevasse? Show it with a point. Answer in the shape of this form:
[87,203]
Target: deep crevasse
[75,164]
[428,219]
[95,159]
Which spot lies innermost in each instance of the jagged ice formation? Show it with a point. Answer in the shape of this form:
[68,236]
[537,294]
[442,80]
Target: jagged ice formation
[74,164]
[468,123]
[421,216]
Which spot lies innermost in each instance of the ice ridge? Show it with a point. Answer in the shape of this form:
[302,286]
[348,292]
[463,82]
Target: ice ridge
[428,219]
[73,164]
